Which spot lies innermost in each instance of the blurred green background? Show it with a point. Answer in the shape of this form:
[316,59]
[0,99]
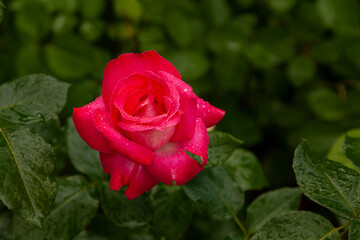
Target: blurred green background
[282,69]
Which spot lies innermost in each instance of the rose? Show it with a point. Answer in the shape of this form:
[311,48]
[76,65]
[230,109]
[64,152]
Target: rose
[144,122]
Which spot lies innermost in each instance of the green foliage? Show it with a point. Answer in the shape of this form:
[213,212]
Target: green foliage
[124,212]
[221,147]
[270,205]
[82,157]
[2,6]
[297,226]
[282,69]
[354,232]
[27,183]
[216,193]
[328,183]
[172,213]
[245,169]
[32,99]
[74,205]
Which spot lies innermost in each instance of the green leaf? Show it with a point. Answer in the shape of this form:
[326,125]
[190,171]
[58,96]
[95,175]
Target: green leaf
[245,169]
[297,226]
[216,193]
[234,236]
[88,236]
[82,157]
[343,18]
[124,212]
[281,6]
[73,210]
[172,212]
[91,8]
[23,65]
[128,8]
[301,70]
[6,225]
[221,147]
[219,11]
[352,147]
[32,99]
[192,65]
[27,184]
[354,232]
[337,151]
[270,205]
[2,5]
[260,56]
[328,183]
[325,104]
[69,57]
[32,20]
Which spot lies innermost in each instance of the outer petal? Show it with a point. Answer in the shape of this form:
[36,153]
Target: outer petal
[140,183]
[210,114]
[125,172]
[83,120]
[186,127]
[129,63]
[172,163]
[121,169]
[122,145]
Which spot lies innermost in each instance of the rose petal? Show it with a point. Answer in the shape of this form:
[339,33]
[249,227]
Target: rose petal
[123,95]
[172,163]
[83,121]
[186,127]
[153,138]
[140,183]
[210,114]
[129,63]
[121,169]
[120,143]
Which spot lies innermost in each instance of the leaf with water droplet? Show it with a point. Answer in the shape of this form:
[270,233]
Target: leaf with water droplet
[354,232]
[31,99]
[297,226]
[221,147]
[245,169]
[172,214]
[216,193]
[27,182]
[73,210]
[270,205]
[328,183]
[121,211]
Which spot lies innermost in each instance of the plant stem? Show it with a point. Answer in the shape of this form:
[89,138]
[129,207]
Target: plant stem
[335,230]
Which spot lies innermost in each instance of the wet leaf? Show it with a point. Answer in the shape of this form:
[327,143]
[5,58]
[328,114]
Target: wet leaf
[297,226]
[124,212]
[328,183]
[270,205]
[32,99]
[216,193]
[354,232]
[172,212]
[245,169]
[221,147]
[27,183]
[73,210]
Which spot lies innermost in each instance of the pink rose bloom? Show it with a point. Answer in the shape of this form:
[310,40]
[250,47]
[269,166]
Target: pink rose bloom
[144,122]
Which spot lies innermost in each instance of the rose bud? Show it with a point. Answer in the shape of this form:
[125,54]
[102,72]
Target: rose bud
[144,122]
